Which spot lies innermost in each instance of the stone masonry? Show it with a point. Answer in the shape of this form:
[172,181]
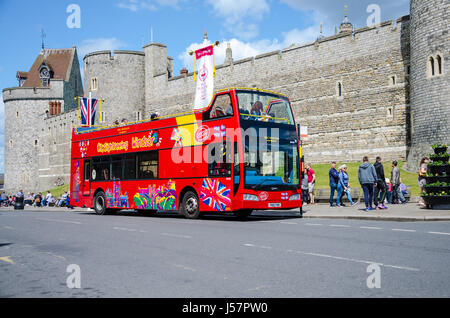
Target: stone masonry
[389,105]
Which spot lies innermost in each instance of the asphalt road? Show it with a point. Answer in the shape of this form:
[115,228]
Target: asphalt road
[268,255]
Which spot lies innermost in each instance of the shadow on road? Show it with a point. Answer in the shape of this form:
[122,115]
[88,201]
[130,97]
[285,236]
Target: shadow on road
[255,217]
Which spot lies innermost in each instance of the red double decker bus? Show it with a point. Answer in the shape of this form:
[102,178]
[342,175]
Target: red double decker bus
[240,154]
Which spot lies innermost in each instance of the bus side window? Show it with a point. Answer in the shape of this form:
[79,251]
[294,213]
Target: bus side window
[148,165]
[222,107]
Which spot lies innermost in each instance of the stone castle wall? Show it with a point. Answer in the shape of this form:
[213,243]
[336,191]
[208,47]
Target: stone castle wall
[55,149]
[430,102]
[371,116]
[376,114]
[24,121]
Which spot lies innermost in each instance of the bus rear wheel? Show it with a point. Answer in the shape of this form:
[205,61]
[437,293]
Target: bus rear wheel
[100,203]
[190,206]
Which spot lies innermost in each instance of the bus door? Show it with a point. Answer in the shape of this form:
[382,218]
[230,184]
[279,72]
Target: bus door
[86,183]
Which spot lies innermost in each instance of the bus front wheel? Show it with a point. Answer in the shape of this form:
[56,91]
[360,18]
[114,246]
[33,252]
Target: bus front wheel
[190,206]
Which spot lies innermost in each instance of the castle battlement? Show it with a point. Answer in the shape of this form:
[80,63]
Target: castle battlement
[53,92]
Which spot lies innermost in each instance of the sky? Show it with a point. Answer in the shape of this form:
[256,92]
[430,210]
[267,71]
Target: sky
[251,27]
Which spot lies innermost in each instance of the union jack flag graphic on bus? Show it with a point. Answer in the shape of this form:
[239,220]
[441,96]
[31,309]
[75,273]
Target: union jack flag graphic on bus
[88,110]
[215,195]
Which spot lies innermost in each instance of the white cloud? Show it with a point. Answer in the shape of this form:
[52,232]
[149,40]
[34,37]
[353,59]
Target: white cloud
[331,12]
[242,49]
[100,44]
[241,17]
[151,5]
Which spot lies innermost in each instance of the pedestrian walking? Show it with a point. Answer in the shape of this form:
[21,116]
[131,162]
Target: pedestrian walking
[388,191]
[395,181]
[423,170]
[311,182]
[380,188]
[343,187]
[334,180]
[367,177]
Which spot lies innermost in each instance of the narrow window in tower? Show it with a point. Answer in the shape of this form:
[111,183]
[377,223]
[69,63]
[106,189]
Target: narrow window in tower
[339,90]
[393,80]
[138,116]
[94,84]
[390,112]
[103,120]
[10,144]
[17,114]
[431,66]
[36,142]
[439,64]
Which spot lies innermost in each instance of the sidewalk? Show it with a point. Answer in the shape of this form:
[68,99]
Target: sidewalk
[409,212]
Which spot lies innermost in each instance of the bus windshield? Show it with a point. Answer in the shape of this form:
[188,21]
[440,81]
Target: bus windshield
[265,107]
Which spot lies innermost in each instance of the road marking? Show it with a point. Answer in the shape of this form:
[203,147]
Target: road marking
[403,230]
[177,235]
[124,229]
[59,221]
[338,225]
[341,258]
[291,223]
[439,233]
[370,228]
[54,255]
[185,267]
[313,224]
[8,227]
[7,259]
[256,288]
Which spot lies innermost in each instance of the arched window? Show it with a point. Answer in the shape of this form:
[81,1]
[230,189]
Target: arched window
[44,75]
[431,65]
[339,89]
[439,64]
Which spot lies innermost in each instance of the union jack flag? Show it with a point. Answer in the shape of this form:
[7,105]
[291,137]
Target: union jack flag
[88,110]
[215,195]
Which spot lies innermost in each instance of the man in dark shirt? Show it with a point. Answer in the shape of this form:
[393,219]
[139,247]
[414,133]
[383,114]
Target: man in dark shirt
[381,186]
[334,180]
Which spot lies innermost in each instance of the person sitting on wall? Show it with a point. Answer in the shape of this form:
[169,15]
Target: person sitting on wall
[29,199]
[48,199]
[38,200]
[62,200]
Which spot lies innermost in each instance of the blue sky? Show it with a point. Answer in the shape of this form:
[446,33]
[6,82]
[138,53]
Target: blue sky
[251,27]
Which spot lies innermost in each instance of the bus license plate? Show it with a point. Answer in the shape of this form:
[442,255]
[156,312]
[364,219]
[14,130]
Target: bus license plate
[274,205]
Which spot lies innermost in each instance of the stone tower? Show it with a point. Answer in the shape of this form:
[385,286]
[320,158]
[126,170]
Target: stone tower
[53,79]
[429,77]
[117,78]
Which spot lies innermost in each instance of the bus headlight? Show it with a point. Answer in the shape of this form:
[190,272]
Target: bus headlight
[250,197]
[295,197]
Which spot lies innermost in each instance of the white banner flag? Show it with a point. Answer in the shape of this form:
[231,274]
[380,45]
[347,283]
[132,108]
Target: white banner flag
[205,79]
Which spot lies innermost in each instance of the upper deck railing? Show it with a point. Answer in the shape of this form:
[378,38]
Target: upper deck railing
[83,129]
